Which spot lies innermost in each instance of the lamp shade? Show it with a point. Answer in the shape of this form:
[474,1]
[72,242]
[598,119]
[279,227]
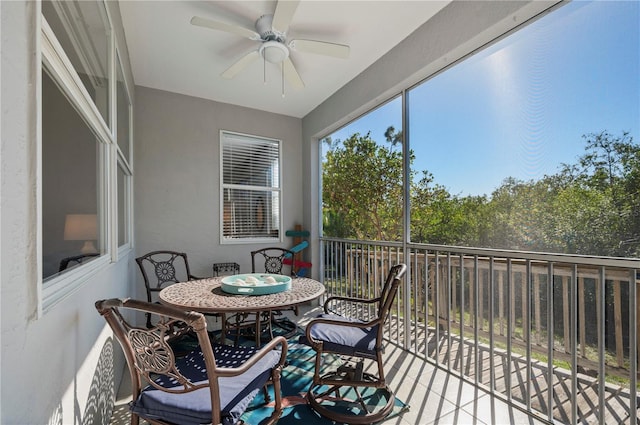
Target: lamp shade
[82,227]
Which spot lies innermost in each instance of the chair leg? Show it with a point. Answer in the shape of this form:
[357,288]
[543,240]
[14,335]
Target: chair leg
[277,407]
[350,389]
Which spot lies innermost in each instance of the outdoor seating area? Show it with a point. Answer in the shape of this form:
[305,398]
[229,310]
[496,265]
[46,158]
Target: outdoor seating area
[350,329]
[307,212]
[433,395]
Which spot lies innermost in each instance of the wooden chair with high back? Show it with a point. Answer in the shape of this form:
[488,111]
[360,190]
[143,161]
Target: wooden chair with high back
[211,383]
[348,394]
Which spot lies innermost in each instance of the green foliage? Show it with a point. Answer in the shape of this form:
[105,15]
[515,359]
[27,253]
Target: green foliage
[590,207]
[362,189]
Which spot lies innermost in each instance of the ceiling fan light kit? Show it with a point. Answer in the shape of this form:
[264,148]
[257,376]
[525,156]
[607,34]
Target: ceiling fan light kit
[274,52]
[274,48]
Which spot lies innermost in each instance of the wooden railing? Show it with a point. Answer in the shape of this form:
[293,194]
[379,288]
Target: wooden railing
[575,312]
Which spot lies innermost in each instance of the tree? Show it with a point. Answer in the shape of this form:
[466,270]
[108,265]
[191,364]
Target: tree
[362,189]
[590,207]
[611,168]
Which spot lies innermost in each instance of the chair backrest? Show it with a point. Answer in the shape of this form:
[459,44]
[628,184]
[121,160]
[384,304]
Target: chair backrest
[274,259]
[389,290]
[162,268]
[149,355]
[68,262]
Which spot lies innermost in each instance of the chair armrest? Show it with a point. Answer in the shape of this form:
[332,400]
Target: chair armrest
[349,299]
[229,372]
[192,277]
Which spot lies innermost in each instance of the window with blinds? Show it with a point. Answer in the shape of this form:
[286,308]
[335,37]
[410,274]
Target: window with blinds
[250,192]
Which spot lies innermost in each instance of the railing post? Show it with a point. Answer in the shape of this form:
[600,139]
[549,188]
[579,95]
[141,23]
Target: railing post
[600,305]
[536,306]
[565,313]
[633,341]
[501,301]
[637,301]
[617,309]
[582,337]
[481,282]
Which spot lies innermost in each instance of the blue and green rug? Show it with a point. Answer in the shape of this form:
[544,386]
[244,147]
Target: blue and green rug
[295,381]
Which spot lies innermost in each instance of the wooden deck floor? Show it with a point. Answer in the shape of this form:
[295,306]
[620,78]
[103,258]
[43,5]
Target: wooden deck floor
[513,378]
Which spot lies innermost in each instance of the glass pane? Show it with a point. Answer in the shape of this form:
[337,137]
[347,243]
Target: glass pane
[532,144]
[123,207]
[362,189]
[251,214]
[124,106]
[82,29]
[250,161]
[71,192]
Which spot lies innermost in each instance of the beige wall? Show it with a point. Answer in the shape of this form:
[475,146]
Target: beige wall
[177,183]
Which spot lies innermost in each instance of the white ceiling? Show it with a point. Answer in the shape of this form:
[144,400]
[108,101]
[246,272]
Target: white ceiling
[169,53]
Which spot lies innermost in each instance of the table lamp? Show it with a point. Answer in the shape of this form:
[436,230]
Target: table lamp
[82,227]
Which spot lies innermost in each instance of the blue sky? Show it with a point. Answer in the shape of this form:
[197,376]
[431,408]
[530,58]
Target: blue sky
[520,107]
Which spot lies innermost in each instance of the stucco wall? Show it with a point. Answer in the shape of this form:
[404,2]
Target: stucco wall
[177,184]
[57,368]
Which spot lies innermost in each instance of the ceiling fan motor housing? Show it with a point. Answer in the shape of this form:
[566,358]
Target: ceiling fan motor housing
[264,27]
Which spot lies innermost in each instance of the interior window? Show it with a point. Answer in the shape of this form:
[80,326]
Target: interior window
[71,185]
[250,176]
[124,107]
[123,205]
[82,29]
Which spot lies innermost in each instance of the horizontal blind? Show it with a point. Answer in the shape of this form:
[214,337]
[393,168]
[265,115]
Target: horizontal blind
[251,187]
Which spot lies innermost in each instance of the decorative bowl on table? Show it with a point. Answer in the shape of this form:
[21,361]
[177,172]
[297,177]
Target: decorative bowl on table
[256,284]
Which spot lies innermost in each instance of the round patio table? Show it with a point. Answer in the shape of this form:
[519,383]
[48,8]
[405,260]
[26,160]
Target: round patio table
[207,296]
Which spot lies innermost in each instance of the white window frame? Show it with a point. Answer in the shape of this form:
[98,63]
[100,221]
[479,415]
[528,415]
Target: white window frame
[122,162]
[53,57]
[277,220]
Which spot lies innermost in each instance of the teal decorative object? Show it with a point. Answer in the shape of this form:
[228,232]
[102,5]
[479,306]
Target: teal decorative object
[256,284]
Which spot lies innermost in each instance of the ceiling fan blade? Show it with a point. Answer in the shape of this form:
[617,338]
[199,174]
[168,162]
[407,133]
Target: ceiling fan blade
[321,47]
[291,74]
[285,9]
[221,26]
[241,64]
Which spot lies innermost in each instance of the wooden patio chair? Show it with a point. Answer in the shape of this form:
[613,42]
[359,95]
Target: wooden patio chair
[348,394]
[212,384]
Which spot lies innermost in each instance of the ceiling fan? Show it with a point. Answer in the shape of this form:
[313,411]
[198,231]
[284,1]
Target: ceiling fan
[271,32]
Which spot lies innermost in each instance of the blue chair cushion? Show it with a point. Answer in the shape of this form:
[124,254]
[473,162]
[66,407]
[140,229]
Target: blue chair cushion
[192,408]
[347,340]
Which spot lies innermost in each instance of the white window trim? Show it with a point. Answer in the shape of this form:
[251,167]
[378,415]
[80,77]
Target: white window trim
[53,57]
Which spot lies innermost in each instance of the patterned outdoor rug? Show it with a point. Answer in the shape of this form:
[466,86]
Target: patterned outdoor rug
[295,381]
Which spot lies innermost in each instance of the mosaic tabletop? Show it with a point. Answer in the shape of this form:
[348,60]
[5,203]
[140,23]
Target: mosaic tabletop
[206,296]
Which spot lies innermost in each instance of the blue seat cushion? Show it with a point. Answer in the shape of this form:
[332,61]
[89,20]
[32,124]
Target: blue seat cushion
[192,408]
[347,340]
